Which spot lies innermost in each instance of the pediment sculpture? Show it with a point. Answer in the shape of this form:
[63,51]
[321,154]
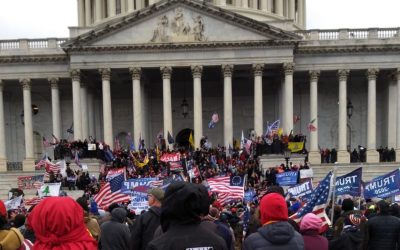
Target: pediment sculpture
[178,29]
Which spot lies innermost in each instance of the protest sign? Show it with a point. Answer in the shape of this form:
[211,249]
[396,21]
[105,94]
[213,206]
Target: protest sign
[138,188]
[250,196]
[30,182]
[170,157]
[287,178]
[383,186]
[349,183]
[301,189]
[306,173]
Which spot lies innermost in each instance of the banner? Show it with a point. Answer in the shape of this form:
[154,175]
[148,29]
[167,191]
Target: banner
[114,172]
[30,182]
[138,188]
[306,173]
[383,186]
[250,196]
[287,178]
[49,189]
[349,183]
[170,157]
[14,203]
[296,146]
[301,189]
[175,166]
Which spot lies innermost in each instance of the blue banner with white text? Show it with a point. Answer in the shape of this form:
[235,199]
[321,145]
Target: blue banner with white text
[287,178]
[383,186]
[301,190]
[349,183]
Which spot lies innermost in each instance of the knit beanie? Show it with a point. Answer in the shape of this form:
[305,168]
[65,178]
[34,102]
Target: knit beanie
[273,208]
[347,205]
[310,222]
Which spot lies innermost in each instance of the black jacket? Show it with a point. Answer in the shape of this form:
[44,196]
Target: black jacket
[382,233]
[350,240]
[279,235]
[142,230]
[114,233]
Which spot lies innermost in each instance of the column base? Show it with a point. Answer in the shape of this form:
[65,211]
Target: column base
[372,156]
[343,156]
[314,157]
[3,165]
[28,165]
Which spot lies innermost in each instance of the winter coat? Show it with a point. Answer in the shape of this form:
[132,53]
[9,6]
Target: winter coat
[142,230]
[115,233]
[314,241]
[10,239]
[279,235]
[350,240]
[382,233]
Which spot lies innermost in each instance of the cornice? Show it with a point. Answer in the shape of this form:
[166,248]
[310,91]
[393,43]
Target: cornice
[346,49]
[33,59]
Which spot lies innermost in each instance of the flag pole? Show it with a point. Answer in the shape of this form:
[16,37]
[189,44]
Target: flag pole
[333,191]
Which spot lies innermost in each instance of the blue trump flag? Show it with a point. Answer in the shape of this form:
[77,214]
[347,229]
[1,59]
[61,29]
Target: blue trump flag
[287,178]
[349,183]
[300,190]
[383,186]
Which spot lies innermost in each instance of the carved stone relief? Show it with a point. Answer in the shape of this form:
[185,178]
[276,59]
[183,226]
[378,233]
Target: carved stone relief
[178,29]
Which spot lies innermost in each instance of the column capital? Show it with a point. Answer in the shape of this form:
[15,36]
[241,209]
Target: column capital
[136,72]
[343,74]
[258,69]
[53,82]
[227,70]
[197,71]
[75,74]
[372,74]
[25,83]
[288,68]
[314,75]
[105,73]
[166,72]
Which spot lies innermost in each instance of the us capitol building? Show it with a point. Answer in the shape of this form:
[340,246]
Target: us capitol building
[145,66]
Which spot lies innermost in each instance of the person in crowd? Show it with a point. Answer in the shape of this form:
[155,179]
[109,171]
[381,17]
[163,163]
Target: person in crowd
[211,223]
[142,230]
[310,226]
[347,208]
[276,232]
[10,237]
[58,224]
[383,230]
[182,207]
[351,237]
[90,222]
[115,232]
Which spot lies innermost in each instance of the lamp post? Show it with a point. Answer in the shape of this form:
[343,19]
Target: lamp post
[286,154]
[350,108]
[185,108]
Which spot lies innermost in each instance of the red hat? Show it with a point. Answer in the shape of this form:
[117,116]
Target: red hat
[3,210]
[273,208]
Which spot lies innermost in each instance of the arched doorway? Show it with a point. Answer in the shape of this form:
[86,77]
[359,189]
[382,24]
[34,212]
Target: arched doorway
[182,138]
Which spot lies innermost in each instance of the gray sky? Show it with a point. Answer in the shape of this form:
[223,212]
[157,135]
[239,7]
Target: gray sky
[51,18]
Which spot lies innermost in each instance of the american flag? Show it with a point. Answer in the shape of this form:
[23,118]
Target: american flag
[33,201]
[227,188]
[273,128]
[46,144]
[51,167]
[111,192]
[317,203]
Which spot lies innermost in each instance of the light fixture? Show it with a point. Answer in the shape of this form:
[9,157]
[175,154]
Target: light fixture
[350,108]
[35,111]
[185,108]
[287,153]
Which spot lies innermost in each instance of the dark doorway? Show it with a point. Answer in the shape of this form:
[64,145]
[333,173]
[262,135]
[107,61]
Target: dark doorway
[182,138]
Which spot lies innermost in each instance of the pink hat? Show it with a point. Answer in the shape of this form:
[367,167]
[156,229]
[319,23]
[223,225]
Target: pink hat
[310,222]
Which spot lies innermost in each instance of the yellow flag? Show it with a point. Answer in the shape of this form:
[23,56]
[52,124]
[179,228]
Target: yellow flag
[191,141]
[158,153]
[141,164]
[280,131]
[296,146]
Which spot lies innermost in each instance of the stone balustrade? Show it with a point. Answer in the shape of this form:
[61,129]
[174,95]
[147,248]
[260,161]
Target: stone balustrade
[29,44]
[350,34]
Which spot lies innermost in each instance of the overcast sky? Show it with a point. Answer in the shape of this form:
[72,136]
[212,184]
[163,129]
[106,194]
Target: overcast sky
[51,18]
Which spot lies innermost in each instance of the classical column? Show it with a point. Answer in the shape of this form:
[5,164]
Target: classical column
[398,117]
[222,2]
[227,70]
[81,13]
[88,13]
[197,104]
[279,7]
[300,12]
[292,9]
[314,156]
[107,113]
[136,73]
[288,98]
[372,154]
[237,3]
[131,5]
[76,102]
[112,8]
[98,11]
[264,5]
[29,161]
[258,100]
[255,4]
[92,129]
[84,111]
[3,144]
[342,156]
[139,4]
[55,106]
[167,106]
[245,3]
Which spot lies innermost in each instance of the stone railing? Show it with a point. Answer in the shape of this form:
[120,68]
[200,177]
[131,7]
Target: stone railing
[29,44]
[350,34]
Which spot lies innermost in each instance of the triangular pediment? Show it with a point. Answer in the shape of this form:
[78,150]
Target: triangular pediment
[176,22]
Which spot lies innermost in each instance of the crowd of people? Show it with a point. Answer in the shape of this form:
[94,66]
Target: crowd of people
[360,155]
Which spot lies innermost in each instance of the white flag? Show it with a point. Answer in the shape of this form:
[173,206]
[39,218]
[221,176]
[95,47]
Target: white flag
[14,203]
[49,189]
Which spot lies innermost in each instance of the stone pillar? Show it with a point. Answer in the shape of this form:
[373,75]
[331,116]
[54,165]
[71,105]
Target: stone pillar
[197,104]
[166,73]
[112,9]
[222,2]
[279,7]
[258,98]
[107,113]
[3,144]
[314,156]
[288,98]
[131,5]
[92,129]
[398,117]
[255,4]
[55,107]
[227,70]
[98,11]
[292,9]
[81,13]
[237,3]
[264,5]
[372,154]
[88,13]
[301,13]
[139,4]
[76,102]
[84,112]
[342,156]
[245,3]
[29,161]
[136,73]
